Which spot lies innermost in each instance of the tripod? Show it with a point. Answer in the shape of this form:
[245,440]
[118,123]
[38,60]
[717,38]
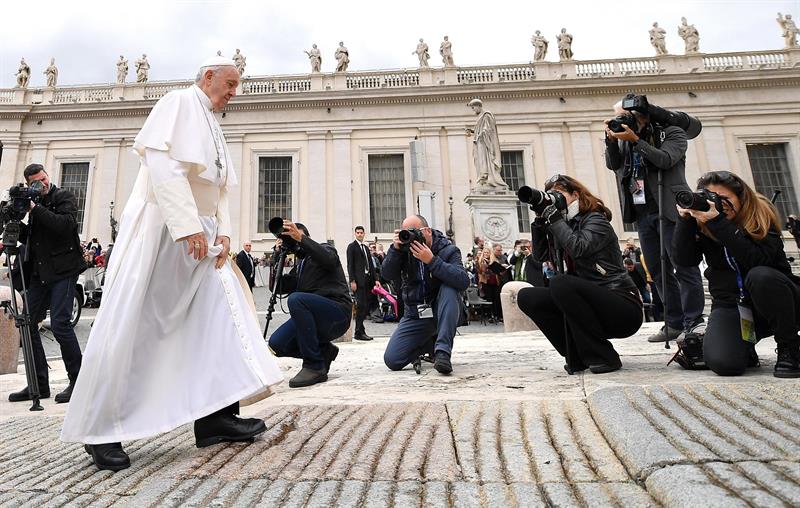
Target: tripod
[273,298]
[22,320]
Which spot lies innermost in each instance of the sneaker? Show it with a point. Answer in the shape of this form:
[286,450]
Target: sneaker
[788,362]
[442,363]
[666,333]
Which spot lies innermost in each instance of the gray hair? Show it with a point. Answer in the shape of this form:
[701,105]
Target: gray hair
[202,71]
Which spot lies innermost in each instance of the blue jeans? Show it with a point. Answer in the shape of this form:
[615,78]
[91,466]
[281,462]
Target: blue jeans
[315,322]
[58,297]
[412,334]
[684,294]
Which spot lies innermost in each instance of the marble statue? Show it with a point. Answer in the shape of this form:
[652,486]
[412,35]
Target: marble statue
[122,70]
[486,149]
[690,36]
[240,61]
[789,30]
[342,58]
[315,57]
[658,38]
[564,45]
[142,69]
[422,53]
[446,50]
[52,73]
[540,43]
[23,74]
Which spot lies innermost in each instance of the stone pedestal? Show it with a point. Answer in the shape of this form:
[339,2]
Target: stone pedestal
[494,216]
[9,336]
[514,320]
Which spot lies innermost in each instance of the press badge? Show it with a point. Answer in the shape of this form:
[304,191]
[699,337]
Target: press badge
[424,311]
[638,194]
[746,323]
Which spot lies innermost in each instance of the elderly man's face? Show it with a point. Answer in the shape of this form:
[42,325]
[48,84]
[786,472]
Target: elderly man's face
[220,86]
[414,222]
[498,249]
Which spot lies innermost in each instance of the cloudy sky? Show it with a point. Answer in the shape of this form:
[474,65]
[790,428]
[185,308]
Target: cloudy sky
[87,37]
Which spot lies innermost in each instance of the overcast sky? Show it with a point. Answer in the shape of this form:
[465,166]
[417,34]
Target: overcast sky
[87,37]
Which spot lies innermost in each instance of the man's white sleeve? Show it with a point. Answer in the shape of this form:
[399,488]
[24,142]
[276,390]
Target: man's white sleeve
[173,193]
[223,214]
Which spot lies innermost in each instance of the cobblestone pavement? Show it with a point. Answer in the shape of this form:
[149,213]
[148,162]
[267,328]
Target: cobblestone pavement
[508,428]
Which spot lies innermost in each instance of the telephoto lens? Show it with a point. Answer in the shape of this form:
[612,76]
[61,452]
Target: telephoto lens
[539,200]
[692,201]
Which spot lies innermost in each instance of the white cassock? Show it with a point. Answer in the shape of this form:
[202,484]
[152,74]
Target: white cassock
[174,339]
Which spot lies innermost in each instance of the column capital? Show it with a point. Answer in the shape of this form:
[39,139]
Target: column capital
[551,127]
[342,133]
[112,142]
[430,131]
[579,126]
[316,135]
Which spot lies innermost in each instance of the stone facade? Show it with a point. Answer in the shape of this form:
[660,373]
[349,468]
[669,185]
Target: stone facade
[329,124]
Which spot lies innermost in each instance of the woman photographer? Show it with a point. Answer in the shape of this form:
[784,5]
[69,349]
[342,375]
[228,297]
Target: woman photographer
[595,300]
[749,277]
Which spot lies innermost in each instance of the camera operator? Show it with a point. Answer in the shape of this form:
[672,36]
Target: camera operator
[319,305]
[594,300]
[644,145]
[753,291]
[54,262]
[432,275]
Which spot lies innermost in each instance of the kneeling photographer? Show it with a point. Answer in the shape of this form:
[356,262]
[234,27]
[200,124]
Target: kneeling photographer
[753,291]
[53,261]
[319,304]
[594,300]
[432,275]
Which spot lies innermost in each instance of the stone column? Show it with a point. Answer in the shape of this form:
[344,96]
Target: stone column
[239,207]
[130,170]
[460,183]
[38,155]
[8,166]
[316,187]
[104,186]
[433,174]
[553,149]
[714,143]
[583,155]
[342,191]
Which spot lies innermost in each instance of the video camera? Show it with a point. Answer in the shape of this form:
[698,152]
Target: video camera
[698,200]
[15,209]
[657,115]
[288,243]
[409,236]
[539,200]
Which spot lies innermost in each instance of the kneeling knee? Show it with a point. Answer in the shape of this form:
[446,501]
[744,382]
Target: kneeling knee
[726,366]
[394,363]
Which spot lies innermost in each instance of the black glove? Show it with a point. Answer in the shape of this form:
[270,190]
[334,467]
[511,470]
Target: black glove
[552,214]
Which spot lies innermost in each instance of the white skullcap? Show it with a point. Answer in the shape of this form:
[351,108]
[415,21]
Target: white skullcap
[217,61]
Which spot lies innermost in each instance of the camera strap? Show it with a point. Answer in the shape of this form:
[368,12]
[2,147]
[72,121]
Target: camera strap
[746,319]
[739,281]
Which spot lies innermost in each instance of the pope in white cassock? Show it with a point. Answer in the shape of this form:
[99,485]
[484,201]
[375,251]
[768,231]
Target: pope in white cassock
[175,339]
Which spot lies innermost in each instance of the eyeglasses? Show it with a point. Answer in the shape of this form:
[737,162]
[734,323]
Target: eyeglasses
[560,180]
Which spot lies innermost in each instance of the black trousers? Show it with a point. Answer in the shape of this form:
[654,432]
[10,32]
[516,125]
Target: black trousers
[776,307]
[593,315]
[363,294]
[491,293]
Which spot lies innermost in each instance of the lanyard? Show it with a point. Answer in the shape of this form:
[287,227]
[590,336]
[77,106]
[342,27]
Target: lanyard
[735,267]
[423,282]
[300,269]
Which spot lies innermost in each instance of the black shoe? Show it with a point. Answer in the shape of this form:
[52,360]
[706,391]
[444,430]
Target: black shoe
[377,319]
[603,368]
[442,363]
[752,358]
[109,456]
[222,427]
[329,353]
[66,394]
[788,363]
[575,368]
[362,336]
[308,377]
[25,394]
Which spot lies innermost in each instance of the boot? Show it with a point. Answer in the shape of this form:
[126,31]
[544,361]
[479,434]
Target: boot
[442,363]
[788,362]
[109,456]
[329,352]
[221,427]
[308,377]
[604,368]
[362,336]
[25,394]
[66,394]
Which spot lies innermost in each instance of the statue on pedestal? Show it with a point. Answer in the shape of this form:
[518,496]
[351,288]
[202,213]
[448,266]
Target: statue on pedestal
[342,58]
[789,28]
[23,74]
[540,43]
[446,50]
[52,73]
[142,69]
[486,149]
[422,53]
[315,57]
[658,38]
[240,61]
[564,45]
[690,36]
[122,70]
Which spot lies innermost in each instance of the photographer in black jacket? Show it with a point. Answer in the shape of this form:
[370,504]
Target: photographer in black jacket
[54,261]
[594,300]
[319,304]
[749,277]
[648,144]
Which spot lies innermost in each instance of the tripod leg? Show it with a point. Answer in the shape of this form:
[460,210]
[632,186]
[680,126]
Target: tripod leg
[663,252]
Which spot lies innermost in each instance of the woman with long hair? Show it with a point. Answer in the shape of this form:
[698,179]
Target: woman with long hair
[753,291]
[594,300]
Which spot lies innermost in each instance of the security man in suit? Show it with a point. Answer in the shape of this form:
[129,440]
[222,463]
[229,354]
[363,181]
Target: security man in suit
[247,264]
[361,274]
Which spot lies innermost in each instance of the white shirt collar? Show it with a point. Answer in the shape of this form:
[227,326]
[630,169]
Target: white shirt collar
[203,98]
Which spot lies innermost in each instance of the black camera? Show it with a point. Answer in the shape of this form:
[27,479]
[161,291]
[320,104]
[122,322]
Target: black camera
[409,236]
[539,200]
[663,117]
[616,123]
[698,200]
[19,202]
[275,227]
[633,102]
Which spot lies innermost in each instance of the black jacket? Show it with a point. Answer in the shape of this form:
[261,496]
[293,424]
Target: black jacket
[319,271]
[247,264]
[669,157]
[639,278]
[355,265]
[533,269]
[445,268]
[592,246]
[51,238]
[689,246]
